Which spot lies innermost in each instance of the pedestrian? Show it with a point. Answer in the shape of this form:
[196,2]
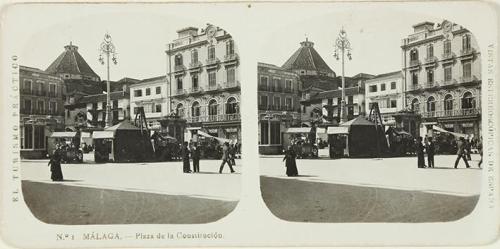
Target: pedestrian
[186,168]
[420,153]
[290,163]
[430,152]
[467,149]
[195,154]
[232,153]
[461,152]
[225,158]
[480,150]
[55,165]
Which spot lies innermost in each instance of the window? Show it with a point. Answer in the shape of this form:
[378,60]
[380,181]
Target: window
[413,55]
[276,84]
[158,108]
[263,81]
[448,103]
[39,137]
[430,51]
[194,81]
[148,108]
[178,60]
[231,75]
[373,88]
[115,104]
[350,100]
[158,90]
[415,105]
[28,137]
[40,107]
[447,73]
[195,109]
[466,69]
[330,102]
[27,106]
[179,110]
[382,87]
[232,106]
[350,110]
[447,47]
[41,89]
[276,102]
[430,76]
[264,135]
[263,101]
[212,78]
[288,102]
[211,52]
[431,104]
[230,47]
[179,83]
[466,42]
[138,93]
[194,56]
[393,85]
[288,85]
[275,133]
[393,103]
[148,91]
[52,90]
[212,107]
[52,107]
[468,101]
[27,87]
[414,78]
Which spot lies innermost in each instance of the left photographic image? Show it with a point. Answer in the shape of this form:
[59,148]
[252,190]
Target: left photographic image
[136,121]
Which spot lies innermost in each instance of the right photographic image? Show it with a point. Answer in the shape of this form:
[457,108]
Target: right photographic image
[368,119]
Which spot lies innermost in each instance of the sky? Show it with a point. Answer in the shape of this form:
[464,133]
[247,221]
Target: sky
[141,36]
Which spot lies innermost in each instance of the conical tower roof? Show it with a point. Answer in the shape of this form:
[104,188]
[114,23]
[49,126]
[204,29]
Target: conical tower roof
[72,63]
[307,58]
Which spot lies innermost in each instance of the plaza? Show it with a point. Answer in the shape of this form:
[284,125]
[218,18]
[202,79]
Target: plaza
[370,190]
[130,193]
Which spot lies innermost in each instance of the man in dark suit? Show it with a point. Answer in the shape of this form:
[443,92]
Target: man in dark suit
[195,154]
[430,152]
[186,168]
[225,158]
[461,152]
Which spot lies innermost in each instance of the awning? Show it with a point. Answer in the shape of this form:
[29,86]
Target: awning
[437,128]
[320,130]
[338,130]
[102,134]
[221,140]
[298,130]
[63,134]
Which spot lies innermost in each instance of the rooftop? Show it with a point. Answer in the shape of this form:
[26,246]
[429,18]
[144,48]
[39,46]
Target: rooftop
[71,62]
[307,58]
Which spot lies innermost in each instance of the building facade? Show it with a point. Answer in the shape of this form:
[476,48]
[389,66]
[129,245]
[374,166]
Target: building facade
[41,110]
[330,103]
[387,91]
[96,108]
[204,85]
[278,105]
[151,94]
[442,78]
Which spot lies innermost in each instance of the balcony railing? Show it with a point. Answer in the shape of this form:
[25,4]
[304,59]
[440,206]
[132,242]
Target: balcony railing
[430,60]
[414,63]
[180,92]
[214,87]
[467,51]
[179,68]
[26,91]
[231,57]
[414,87]
[194,65]
[278,108]
[195,90]
[451,113]
[214,118]
[232,84]
[52,94]
[263,88]
[41,112]
[449,82]
[467,79]
[448,56]
[211,62]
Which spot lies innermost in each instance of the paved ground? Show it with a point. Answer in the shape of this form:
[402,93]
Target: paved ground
[141,193]
[370,190]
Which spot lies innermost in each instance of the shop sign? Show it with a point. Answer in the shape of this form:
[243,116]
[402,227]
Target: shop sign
[468,125]
[231,130]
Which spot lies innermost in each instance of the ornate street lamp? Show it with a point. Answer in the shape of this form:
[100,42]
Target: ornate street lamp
[107,48]
[342,45]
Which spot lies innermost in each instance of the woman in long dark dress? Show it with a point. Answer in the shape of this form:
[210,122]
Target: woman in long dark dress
[186,167]
[55,165]
[420,153]
[290,164]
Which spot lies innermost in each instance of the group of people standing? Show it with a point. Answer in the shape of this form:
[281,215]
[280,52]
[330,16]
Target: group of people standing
[463,152]
[228,156]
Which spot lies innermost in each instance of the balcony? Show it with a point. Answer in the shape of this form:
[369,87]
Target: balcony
[449,82]
[430,61]
[467,79]
[414,63]
[431,84]
[278,108]
[52,94]
[214,118]
[195,90]
[414,87]
[288,90]
[179,70]
[230,59]
[214,87]
[179,92]
[195,65]
[263,88]
[212,63]
[452,113]
[229,85]
[448,57]
[467,53]
[26,91]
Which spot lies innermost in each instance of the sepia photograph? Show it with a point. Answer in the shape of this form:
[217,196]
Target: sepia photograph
[377,122]
[114,130]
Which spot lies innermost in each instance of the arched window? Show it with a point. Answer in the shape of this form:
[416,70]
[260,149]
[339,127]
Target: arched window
[194,56]
[231,106]
[178,60]
[448,102]
[179,110]
[431,104]
[195,109]
[468,101]
[212,107]
[415,105]
[413,55]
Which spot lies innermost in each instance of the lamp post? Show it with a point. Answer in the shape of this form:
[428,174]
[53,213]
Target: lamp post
[107,48]
[342,45]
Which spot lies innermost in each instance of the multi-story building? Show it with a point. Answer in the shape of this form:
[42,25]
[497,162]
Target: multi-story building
[41,110]
[330,103]
[442,78]
[96,108]
[204,86]
[387,91]
[151,94]
[278,105]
